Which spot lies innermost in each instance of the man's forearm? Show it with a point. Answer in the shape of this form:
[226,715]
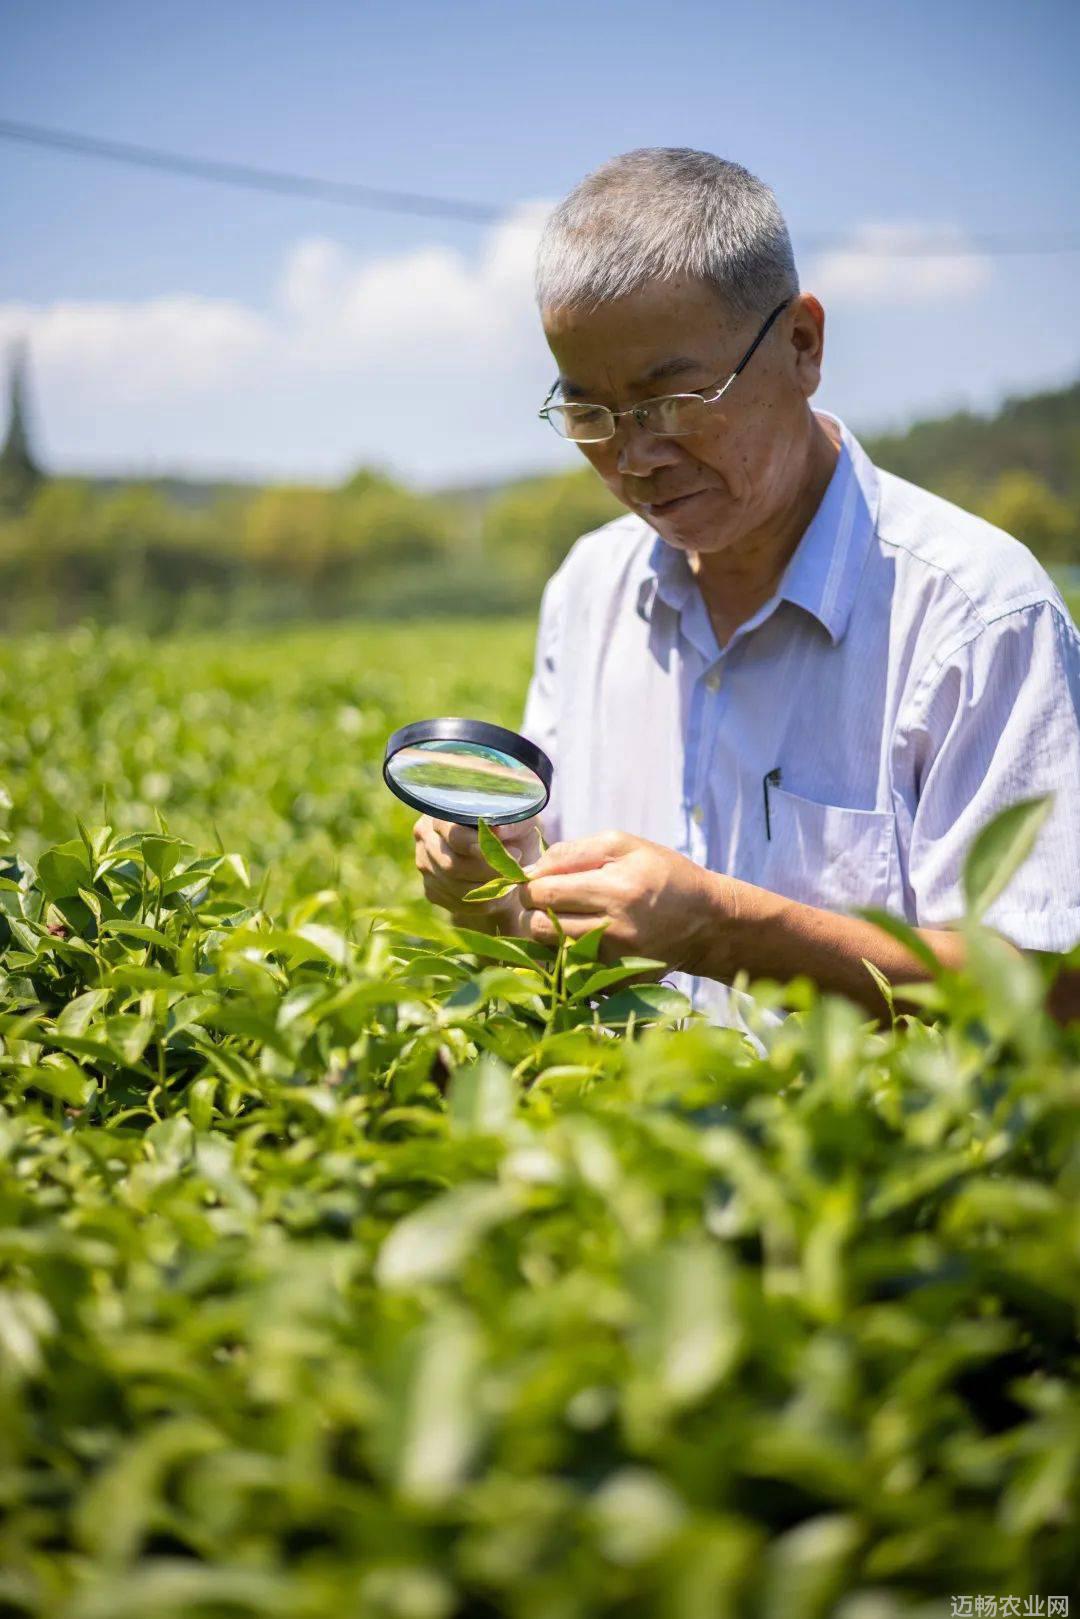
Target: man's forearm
[775,937]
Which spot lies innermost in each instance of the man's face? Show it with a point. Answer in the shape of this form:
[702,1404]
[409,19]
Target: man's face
[706,491]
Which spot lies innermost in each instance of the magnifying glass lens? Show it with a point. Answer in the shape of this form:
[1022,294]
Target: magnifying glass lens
[486,773]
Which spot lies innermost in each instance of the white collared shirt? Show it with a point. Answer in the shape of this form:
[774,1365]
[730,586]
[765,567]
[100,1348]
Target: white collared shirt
[915,672]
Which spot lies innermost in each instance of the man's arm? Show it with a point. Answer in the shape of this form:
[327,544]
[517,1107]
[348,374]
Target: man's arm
[656,902]
[770,936]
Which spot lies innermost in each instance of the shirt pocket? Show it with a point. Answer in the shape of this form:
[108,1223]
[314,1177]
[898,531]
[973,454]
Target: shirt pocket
[828,855]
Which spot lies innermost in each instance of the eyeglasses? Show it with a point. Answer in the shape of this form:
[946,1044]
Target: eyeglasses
[668,416]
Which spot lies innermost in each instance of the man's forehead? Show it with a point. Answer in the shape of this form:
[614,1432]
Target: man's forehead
[678,365]
[638,342]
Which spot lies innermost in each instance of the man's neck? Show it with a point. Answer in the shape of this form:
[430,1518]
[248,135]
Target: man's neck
[735,584]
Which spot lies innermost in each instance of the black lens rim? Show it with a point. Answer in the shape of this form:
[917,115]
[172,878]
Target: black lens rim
[452,728]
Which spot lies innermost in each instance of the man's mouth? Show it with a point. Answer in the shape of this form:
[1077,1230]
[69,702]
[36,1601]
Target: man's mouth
[662,507]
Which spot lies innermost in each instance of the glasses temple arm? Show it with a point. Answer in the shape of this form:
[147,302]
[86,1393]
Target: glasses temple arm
[747,357]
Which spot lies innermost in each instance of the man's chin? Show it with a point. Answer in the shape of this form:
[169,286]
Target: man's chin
[703,530]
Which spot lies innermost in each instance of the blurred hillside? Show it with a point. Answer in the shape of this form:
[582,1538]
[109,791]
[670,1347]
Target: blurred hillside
[1019,468]
[173,552]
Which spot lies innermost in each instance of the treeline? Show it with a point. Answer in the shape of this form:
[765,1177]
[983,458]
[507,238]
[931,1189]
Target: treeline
[1020,468]
[371,546]
[142,553]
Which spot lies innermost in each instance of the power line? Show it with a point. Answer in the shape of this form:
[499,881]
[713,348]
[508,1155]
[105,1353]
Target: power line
[252,178]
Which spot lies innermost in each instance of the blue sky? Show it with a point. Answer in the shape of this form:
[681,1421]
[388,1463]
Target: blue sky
[177,324]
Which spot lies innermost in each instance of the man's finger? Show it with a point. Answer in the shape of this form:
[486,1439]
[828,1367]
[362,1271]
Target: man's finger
[517,831]
[577,854]
[462,839]
[466,839]
[575,927]
[569,893]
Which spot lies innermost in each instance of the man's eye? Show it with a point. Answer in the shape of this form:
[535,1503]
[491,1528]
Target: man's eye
[587,413]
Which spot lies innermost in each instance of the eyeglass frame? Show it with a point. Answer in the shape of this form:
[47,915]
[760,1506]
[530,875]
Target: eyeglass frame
[632,410]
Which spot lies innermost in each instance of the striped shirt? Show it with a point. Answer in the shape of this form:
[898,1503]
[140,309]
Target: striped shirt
[915,672]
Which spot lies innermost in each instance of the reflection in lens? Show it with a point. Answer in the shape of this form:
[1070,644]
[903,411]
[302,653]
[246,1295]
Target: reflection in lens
[467,777]
[587,422]
[682,413]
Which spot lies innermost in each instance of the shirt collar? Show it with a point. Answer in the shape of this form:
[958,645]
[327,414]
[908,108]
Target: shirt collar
[824,571]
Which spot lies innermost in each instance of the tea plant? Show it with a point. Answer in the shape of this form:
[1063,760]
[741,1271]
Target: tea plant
[355,1263]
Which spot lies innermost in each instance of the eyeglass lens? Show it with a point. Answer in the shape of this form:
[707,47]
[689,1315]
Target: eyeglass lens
[678,414]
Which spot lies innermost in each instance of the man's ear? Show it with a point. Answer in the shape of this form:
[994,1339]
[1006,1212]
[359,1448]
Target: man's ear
[807,342]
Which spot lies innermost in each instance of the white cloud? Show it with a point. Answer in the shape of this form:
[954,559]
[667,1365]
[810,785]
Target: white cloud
[900,263]
[131,350]
[434,335]
[427,310]
[433,304]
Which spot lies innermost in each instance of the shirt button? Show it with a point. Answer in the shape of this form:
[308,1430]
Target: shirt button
[713,682]
[698,812]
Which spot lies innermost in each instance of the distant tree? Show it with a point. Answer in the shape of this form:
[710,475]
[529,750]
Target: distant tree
[534,524]
[1039,434]
[291,529]
[20,475]
[394,528]
[135,518]
[1021,504]
[60,516]
[319,535]
[368,481]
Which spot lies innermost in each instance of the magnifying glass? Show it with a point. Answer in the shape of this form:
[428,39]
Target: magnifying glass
[467,771]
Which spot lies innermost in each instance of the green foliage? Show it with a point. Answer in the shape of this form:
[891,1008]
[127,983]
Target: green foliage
[534,523]
[356,1263]
[275,741]
[131,555]
[499,858]
[1022,505]
[1019,468]
[318,536]
[20,475]
[166,554]
[1000,850]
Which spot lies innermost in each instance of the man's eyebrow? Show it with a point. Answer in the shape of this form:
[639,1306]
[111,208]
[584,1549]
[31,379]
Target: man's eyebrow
[675,367]
[671,368]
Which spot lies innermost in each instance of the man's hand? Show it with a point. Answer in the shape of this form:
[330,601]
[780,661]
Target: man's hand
[656,902]
[449,859]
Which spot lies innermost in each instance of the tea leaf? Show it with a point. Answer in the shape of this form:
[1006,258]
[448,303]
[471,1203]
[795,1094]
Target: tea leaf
[62,871]
[904,934]
[497,854]
[999,851]
[481,1098]
[629,967]
[498,947]
[883,985]
[688,1333]
[437,1424]
[645,1001]
[495,889]
[432,1244]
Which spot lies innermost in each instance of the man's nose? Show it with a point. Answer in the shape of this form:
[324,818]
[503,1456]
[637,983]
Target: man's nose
[641,452]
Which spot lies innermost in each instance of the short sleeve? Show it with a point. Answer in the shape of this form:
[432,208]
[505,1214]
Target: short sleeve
[998,723]
[540,721]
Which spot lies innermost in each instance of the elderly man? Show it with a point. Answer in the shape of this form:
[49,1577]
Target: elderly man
[787,684]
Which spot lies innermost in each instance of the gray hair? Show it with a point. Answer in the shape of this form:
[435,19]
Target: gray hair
[660,213]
